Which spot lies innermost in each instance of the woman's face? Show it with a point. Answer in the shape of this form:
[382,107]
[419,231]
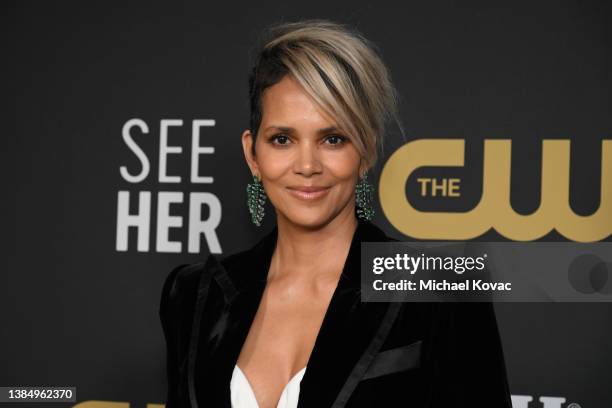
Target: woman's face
[298,147]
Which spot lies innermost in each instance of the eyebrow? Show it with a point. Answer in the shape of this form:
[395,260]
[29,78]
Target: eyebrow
[291,130]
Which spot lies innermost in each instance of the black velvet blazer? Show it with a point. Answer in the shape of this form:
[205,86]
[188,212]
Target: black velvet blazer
[367,354]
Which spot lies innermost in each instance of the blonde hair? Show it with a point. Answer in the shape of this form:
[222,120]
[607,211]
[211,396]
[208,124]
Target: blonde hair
[339,68]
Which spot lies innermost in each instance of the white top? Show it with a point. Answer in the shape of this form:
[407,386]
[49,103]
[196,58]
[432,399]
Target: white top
[244,397]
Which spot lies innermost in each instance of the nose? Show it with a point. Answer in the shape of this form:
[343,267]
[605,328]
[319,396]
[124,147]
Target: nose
[307,160]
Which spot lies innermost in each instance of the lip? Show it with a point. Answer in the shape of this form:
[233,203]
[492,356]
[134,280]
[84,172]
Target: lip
[308,193]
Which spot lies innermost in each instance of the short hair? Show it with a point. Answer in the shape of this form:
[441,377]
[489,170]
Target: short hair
[339,68]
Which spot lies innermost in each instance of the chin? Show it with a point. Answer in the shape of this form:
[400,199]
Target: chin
[308,218]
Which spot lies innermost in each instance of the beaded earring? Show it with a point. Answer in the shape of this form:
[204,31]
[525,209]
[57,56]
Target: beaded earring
[363,198]
[256,198]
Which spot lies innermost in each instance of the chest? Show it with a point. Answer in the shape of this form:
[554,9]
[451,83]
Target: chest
[281,338]
[350,334]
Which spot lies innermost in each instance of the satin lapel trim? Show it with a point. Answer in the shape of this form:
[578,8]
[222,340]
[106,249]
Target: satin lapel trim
[360,368]
[243,308]
[214,350]
[211,268]
[350,336]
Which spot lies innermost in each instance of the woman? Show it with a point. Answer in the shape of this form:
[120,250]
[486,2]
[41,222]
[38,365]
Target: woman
[282,323]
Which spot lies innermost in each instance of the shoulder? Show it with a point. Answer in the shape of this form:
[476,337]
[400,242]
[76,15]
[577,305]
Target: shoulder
[180,288]
[368,231]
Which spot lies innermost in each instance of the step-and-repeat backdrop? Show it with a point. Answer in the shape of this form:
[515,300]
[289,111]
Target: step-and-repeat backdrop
[124,160]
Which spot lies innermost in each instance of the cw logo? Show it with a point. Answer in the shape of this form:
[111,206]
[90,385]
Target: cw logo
[494,210]
[522,401]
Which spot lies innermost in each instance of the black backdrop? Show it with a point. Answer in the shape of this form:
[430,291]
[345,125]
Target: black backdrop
[78,310]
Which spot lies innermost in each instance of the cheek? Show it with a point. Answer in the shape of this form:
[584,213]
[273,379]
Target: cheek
[343,167]
[273,165]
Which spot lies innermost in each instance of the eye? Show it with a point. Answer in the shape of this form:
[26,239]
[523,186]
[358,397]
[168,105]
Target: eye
[336,140]
[281,138]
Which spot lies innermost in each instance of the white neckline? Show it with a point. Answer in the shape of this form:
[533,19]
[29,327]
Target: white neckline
[294,382]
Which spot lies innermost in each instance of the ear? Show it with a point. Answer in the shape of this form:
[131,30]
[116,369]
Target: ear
[362,168]
[247,144]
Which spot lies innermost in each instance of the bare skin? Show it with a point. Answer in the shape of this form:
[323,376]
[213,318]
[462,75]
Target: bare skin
[314,236]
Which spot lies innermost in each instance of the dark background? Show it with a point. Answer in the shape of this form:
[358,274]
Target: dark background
[77,312]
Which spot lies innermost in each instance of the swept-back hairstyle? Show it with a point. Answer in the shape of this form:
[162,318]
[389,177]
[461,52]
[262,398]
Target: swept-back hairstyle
[339,68]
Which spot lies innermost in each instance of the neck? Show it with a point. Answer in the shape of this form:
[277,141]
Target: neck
[310,254]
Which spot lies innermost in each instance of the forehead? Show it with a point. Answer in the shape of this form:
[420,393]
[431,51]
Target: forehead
[286,103]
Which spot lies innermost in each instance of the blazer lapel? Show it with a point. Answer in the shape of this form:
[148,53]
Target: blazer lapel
[350,335]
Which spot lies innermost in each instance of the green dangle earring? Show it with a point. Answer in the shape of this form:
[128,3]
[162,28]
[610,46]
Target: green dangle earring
[256,198]
[364,193]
